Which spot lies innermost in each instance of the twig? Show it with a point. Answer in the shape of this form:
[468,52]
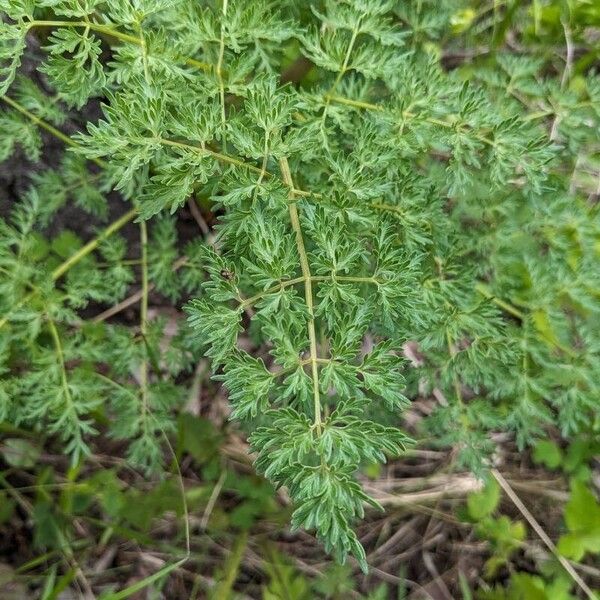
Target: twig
[400,534]
[438,580]
[542,534]
[134,298]
[198,217]
[457,487]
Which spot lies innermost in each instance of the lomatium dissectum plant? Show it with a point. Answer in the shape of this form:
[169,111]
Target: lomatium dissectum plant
[384,229]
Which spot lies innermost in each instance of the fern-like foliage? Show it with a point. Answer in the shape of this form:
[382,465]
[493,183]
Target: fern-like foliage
[59,372]
[382,201]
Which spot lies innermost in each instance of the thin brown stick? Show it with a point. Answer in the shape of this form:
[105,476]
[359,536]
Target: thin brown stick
[134,298]
[198,216]
[542,534]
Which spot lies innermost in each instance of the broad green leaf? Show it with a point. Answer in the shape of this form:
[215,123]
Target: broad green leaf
[547,453]
[582,517]
[482,504]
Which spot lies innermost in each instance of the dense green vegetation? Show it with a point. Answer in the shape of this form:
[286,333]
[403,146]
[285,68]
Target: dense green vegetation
[375,223]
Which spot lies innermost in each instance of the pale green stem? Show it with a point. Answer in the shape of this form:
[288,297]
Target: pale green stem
[50,128]
[93,244]
[509,308]
[314,278]
[109,31]
[219,72]
[144,48]
[224,158]
[308,294]
[144,317]
[231,160]
[405,114]
[61,359]
[75,258]
[263,168]
[452,352]
[301,363]
[344,68]
[63,371]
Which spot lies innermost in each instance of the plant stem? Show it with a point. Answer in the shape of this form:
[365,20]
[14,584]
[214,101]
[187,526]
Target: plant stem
[224,158]
[144,317]
[265,162]
[314,278]
[61,358]
[73,260]
[70,408]
[219,72]
[308,294]
[509,308]
[106,30]
[144,48]
[50,128]
[93,244]
[135,297]
[405,114]
[455,381]
[231,160]
[344,68]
